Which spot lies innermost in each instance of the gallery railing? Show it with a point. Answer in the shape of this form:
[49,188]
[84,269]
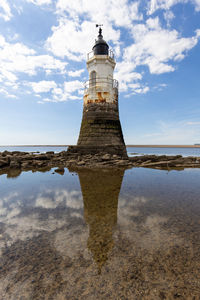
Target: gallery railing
[101,83]
[110,54]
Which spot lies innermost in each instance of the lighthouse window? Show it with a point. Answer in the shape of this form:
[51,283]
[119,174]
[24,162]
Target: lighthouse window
[93,78]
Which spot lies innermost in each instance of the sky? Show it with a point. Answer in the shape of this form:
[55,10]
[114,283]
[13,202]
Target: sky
[43,52]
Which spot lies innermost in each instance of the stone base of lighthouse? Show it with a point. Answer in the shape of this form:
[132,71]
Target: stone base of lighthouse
[100,130]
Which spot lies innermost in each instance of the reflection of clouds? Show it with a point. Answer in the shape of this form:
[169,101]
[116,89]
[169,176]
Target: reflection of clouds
[8,209]
[13,213]
[3,210]
[30,226]
[52,199]
[72,242]
[46,202]
[131,201]
[142,227]
[26,219]
[156,236]
[75,200]
[128,207]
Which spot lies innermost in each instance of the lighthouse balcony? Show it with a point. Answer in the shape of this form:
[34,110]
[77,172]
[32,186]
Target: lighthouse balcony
[110,54]
[102,83]
[101,90]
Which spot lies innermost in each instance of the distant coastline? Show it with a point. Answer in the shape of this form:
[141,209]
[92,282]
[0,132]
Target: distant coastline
[34,145]
[134,146]
[164,146]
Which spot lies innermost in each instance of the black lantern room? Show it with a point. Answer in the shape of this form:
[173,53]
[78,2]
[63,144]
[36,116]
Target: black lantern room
[100,47]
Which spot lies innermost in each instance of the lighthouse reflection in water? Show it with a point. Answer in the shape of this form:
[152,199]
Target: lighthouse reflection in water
[100,192]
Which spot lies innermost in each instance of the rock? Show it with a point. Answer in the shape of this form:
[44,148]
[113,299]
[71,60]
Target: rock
[115,156]
[17,159]
[40,164]
[14,164]
[13,173]
[60,171]
[25,165]
[41,157]
[5,153]
[4,163]
[72,161]
[81,163]
[64,154]
[121,162]
[157,163]
[17,153]
[146,162]
[106,157]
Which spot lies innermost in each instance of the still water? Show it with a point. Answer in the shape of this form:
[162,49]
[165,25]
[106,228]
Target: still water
[100,234]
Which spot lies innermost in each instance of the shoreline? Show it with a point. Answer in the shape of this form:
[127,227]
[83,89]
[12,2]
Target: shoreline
[16,162]
[132,146]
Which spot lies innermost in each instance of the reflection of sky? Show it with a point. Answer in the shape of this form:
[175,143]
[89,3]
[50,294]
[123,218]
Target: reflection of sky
[46,203]
[157,213]
[154,206]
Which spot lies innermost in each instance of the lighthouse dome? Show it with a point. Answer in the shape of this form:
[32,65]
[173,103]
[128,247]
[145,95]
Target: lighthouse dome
[100,47]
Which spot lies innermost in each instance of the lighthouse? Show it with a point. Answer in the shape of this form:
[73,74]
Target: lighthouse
[100,130]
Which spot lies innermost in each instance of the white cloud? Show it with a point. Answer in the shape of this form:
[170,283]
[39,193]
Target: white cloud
[76,73]
[160,86]
[40,2]
[141,90]
[16,57]
[167,4]
[63,92]
[138,88]
[4,92]
[152,45]
[5,11]
[73,86]
[119,12]
[197,4]
[161,4]
[155,46]
[43,86]
[169,16]
[124,74]
[73,40]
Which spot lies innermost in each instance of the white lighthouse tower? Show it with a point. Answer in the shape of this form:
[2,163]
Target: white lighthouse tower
[101,86]
[100,128]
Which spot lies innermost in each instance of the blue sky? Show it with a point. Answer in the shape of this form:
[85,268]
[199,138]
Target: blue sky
[43,47]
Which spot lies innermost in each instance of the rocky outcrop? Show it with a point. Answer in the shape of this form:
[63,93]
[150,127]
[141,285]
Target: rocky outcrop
[24,161]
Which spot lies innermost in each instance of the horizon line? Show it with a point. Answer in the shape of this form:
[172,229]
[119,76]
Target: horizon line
[128,145]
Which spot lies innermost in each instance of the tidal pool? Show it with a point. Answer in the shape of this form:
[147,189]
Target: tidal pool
[100,234]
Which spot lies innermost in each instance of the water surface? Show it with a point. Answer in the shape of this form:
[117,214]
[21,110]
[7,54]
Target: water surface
[100,234]
[133,151]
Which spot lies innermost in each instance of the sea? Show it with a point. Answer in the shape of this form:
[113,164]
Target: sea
[132,151]
[100,233]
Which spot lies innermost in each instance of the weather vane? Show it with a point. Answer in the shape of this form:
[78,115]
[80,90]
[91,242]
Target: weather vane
[100,29]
